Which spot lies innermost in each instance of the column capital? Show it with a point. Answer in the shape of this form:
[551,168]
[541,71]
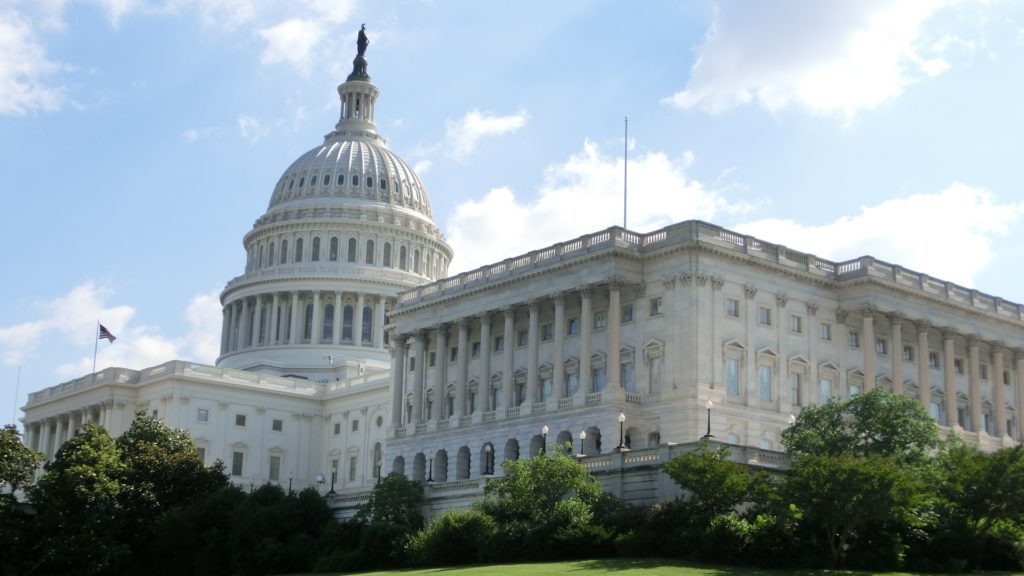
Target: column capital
[841,315]
[717,282]
[508,310]
[484,316]
[997,346]
[973,340]
[557,297]
[781,300]
[534,305]
[948,333]
[669,281]
[586,291]
[812,308]
[442,327]
[922,325]
[701,278]
[463,323]
[1018,354]
[896,318]
[868,311]
[750,290]
[399,339]
[614,285]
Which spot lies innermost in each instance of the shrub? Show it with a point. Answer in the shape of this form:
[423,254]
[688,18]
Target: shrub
[457,537]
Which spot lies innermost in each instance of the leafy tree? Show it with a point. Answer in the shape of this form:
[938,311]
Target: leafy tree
[871,423]
[395,500]
[716,484]
[845,494]
[77,507]
[531,488]
[980,490]
[17,462]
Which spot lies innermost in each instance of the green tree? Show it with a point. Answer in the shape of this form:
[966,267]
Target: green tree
[17,463]
[716,484]
[531,488]
[871,423]
[395,500]
[980,490]
[845,494]
[77,507]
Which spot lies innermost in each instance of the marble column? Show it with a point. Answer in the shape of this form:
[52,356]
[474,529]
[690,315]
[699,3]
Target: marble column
[244,329]
[896,352]
[275,305]
[532,354]
[225,329]
[357,319]
[868,347]
[232,309]
[461,368]
[257,320]
[1018,358]
[318,322]
[974,381]
[949,374]
[614,345]
[510,346]
[295,317]
[339,306]
[483,387]
[398,370]
[586,332]
[419,376]
[558,351]
[45,442]
[440,411]
[378,323]
[924,390]
[997,388]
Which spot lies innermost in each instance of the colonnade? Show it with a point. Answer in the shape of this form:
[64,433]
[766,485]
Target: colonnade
[298,317]
[46,435]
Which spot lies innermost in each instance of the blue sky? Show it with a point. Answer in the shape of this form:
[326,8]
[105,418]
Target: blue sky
[139,140]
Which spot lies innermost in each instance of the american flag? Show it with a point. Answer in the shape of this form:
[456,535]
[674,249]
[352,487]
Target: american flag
[105,334]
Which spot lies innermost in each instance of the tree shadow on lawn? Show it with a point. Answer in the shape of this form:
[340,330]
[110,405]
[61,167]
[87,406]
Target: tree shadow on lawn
[651,566]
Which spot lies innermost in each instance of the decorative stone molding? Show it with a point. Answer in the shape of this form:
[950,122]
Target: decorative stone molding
[463,323]
[586,291]
[670,281]
[948,333]
[781,300]
[557,298]
[812,308]
[533,305]
[641,290]
[841,315]
[1018,354]
[702,278]
[750,291]
[973,340]
[922,325]
[868,310]
[896,317]
[717,282]
[997,347]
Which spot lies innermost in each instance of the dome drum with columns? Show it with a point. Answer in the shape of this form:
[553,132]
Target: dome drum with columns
[347,229]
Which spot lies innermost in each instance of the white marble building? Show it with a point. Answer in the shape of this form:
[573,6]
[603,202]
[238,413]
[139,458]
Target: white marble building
[346,351]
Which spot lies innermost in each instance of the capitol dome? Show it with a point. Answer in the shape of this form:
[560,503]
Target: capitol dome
[348,227]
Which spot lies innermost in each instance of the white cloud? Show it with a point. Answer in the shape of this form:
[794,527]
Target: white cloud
[422,167]
[950,236]
[578,196]
[24,69]
[251,128]
[204,319]
[117,9]
[462,135]
[195,134]
[291,42]
[226,14]
[830,57]
[334,11]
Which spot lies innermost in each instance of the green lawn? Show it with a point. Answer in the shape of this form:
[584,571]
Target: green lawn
[620,567]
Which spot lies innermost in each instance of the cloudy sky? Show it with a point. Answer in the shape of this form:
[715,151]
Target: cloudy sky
[140,139]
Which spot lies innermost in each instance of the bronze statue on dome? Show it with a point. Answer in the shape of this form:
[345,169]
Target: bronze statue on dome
[359,64]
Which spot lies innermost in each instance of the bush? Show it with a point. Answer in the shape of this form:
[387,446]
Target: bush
[457,537]
[726,539]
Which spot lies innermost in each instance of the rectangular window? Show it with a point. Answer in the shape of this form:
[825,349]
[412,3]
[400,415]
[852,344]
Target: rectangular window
[237,460]
[275,468]
[983,371]
[732,307]
[854,339]
[277,425]
[545,388]
[475,349]
[522,338]
[454,354]
[796,324]
[882,346]
[1006,378]
[499,343]
[337,428]
[599,378]
[732,376]
[795,384]
[933,359]
[627,313]
[239,419]
[572,384]
[572,328]
[547,332]
[628,381]
[764,316]
[826,331]
[958,365]
[854,390]
[201,453]
[355,425]
[203,415]
[433,359]
[352,463]
[655,307]
[412,364]
[600,320]
[908,353]
[764,382]
[824,389]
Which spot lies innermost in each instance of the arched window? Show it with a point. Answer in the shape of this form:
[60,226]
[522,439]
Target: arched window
[270,255]
[387,255]
[291,183]
[302,181]
[307,330]
[333,256]
[315,255]
[298,250]
[367,336]
[369,251]
[401,258]
[346,325]
[259,257]
[355,180]
[284,251]
[327,179]
[369,181]
[416,261]
[351,249]
[383,184]
[327,334]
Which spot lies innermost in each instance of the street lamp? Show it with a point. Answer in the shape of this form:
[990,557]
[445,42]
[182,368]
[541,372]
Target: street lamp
[488,460]
[289,484]
[792,419]
[622,436]
[583,437]
[709,405]
[544,432]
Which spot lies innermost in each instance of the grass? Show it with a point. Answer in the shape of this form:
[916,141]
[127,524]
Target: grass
[623,567]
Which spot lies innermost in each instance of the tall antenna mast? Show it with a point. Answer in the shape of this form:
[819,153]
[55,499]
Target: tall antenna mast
[625,172]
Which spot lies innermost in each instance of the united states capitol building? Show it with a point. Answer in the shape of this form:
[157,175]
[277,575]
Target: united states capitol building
[347,352]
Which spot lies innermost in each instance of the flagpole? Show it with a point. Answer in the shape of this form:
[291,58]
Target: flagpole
[95,348]
[625,171]
[17,389]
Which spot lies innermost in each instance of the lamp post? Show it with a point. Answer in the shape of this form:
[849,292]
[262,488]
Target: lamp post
[791,420]
[289,484]
[320,481]
[622,435]
[583,437]
[430,475]
[488,460]
[709,405]
[334,476]
[544,433]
